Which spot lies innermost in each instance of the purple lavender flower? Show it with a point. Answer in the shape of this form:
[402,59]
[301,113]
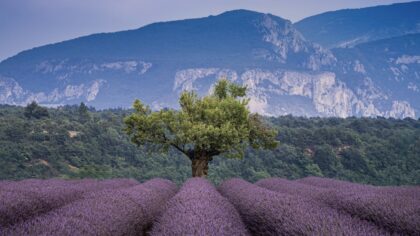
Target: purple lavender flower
[267,212]
[24,199]
[397,209]
[124,211]
[198,209]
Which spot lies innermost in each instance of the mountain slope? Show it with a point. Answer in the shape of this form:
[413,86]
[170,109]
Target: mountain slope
[349,27]
[230,37]
[381,70]
[284,72]
[130,63]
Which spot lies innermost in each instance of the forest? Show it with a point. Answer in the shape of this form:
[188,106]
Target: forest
[74,142]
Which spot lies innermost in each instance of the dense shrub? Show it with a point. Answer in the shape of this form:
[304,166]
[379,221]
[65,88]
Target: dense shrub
[272,213]
[396,209]
[198,209]
[126,211]
[24,199]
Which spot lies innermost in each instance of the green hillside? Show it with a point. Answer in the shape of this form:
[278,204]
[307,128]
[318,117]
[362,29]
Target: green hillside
[72,142]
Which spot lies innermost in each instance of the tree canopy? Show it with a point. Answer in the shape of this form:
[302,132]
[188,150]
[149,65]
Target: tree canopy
[33,110]
[204,127]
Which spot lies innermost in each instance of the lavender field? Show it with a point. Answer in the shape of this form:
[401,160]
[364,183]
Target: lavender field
[309,206]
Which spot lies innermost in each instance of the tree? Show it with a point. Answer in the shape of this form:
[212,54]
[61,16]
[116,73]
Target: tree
[326,159]
[217,124]
[35,111]
[84,115]
[353,159]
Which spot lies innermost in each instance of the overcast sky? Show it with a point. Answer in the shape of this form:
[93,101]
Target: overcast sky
[25,24]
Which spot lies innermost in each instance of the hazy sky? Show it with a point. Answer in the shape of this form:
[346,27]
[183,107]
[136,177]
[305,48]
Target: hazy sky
[25,24]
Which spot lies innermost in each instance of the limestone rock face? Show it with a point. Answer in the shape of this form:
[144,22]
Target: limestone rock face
[10,90]
[284,71]
[327,95]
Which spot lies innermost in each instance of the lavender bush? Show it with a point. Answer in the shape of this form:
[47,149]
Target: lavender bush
[198,209]
[4,183]
[127,211]
[290,187]
[24,199]
[165,189]
[344,186]
[396,209]
[267,212]
[327,182]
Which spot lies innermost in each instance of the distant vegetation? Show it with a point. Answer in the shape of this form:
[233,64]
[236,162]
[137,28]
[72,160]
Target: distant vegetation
[77,142]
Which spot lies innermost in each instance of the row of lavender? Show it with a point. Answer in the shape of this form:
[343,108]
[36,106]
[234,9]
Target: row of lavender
[22,200]
[199,209]
[116,207]
[395,209]
[310,206]
[266,212]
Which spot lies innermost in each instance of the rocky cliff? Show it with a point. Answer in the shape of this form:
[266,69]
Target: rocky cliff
[284,72]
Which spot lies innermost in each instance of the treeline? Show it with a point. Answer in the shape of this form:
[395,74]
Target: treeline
[79,142]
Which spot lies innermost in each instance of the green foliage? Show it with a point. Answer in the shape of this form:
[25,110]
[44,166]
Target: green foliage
[84,115]
[213,125]
[376,151]
[326,159]
[33,110]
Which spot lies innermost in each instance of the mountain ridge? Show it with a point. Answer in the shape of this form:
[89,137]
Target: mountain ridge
[349,27]
[265,52]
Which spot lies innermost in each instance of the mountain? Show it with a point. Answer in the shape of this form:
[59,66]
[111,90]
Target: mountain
[284,72]
[385,68]
[346,28]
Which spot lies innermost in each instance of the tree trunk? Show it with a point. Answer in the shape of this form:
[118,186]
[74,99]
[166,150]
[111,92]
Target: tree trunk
[200,167]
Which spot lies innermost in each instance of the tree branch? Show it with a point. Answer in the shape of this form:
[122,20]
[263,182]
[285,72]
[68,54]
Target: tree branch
[176,146]
[213,153]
